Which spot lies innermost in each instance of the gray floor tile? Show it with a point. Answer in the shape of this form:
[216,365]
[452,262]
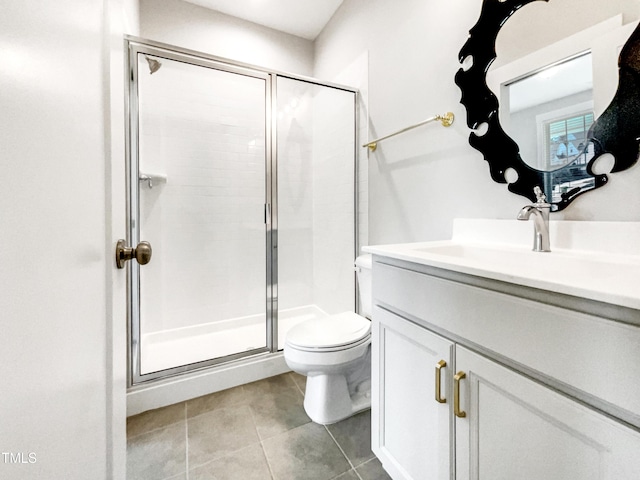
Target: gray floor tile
[300,380]
[246,464]
[154,419]
[269,386]
[350,475]
[305,453]
[372,470]
[354,437]
[217,433]
[226,398]
[158,454]
[278,412]
[224,431]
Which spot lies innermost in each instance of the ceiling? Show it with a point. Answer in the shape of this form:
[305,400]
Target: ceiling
[303,18]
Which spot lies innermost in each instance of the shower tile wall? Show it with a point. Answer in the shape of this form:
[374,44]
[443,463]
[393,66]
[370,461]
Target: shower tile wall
[316,197]
[333,200]
[206,224]
[295,195]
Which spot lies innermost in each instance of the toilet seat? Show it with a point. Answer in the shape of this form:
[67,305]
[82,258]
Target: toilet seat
[336,332]
[337,348]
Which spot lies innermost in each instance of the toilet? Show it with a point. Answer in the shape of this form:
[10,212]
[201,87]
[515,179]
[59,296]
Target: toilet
[334,353]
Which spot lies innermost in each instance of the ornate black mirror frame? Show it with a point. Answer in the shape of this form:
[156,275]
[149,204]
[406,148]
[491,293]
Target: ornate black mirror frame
[616,131]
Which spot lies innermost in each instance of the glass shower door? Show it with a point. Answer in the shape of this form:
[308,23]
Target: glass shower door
[316,201]
[198,194]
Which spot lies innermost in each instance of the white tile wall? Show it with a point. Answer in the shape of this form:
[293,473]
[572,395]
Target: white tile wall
[295,194]
[204,129]
[316,196]
[333,200]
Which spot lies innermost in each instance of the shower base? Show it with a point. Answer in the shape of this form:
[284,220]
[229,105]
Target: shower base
[188,345]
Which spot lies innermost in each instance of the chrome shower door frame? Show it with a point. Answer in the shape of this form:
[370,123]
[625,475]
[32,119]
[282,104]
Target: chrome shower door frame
[134,48]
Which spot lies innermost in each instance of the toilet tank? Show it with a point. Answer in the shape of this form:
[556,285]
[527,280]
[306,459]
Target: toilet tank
[363,270]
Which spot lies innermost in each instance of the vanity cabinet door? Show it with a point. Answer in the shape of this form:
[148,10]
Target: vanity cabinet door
[516,428]
[411,430]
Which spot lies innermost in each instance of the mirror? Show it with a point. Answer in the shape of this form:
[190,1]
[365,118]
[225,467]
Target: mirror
[549,113]
[544,127]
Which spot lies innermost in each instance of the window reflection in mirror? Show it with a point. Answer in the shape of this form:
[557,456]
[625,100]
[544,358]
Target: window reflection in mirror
[548,113]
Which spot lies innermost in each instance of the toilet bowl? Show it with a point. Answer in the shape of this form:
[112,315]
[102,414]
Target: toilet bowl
[334,353]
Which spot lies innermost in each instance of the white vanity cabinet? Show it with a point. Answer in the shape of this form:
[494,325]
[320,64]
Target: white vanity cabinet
[516,428]
[546,386]
[413,382]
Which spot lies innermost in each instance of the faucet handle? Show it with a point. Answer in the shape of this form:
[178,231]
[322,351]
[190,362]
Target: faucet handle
[540,196]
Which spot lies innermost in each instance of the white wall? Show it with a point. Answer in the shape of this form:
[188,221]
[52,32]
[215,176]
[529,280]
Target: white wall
[189,26]
[57,273]
[422,180]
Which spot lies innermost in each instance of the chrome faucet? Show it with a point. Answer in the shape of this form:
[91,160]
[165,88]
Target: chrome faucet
[540,211]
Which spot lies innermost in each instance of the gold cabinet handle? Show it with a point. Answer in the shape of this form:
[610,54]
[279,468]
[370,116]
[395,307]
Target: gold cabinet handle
[456,394]
[440,365]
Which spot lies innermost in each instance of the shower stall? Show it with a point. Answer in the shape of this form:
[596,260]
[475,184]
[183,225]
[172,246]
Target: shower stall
[243,181]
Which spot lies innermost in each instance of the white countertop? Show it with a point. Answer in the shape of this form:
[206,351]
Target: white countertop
[595,260]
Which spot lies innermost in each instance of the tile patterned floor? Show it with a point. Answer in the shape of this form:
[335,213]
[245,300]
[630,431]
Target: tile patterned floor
[257,431]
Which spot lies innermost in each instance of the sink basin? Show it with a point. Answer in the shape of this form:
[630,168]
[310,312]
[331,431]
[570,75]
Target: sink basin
[601,276]
[561,265]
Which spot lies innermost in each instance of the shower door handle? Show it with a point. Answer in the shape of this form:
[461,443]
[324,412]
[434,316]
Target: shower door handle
[142,253]
[267,213]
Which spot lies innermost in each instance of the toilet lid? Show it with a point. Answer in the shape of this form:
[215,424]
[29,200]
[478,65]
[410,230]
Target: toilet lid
[333,331]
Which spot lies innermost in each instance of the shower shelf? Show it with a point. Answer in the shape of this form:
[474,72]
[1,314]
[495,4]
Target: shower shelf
[152,179]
